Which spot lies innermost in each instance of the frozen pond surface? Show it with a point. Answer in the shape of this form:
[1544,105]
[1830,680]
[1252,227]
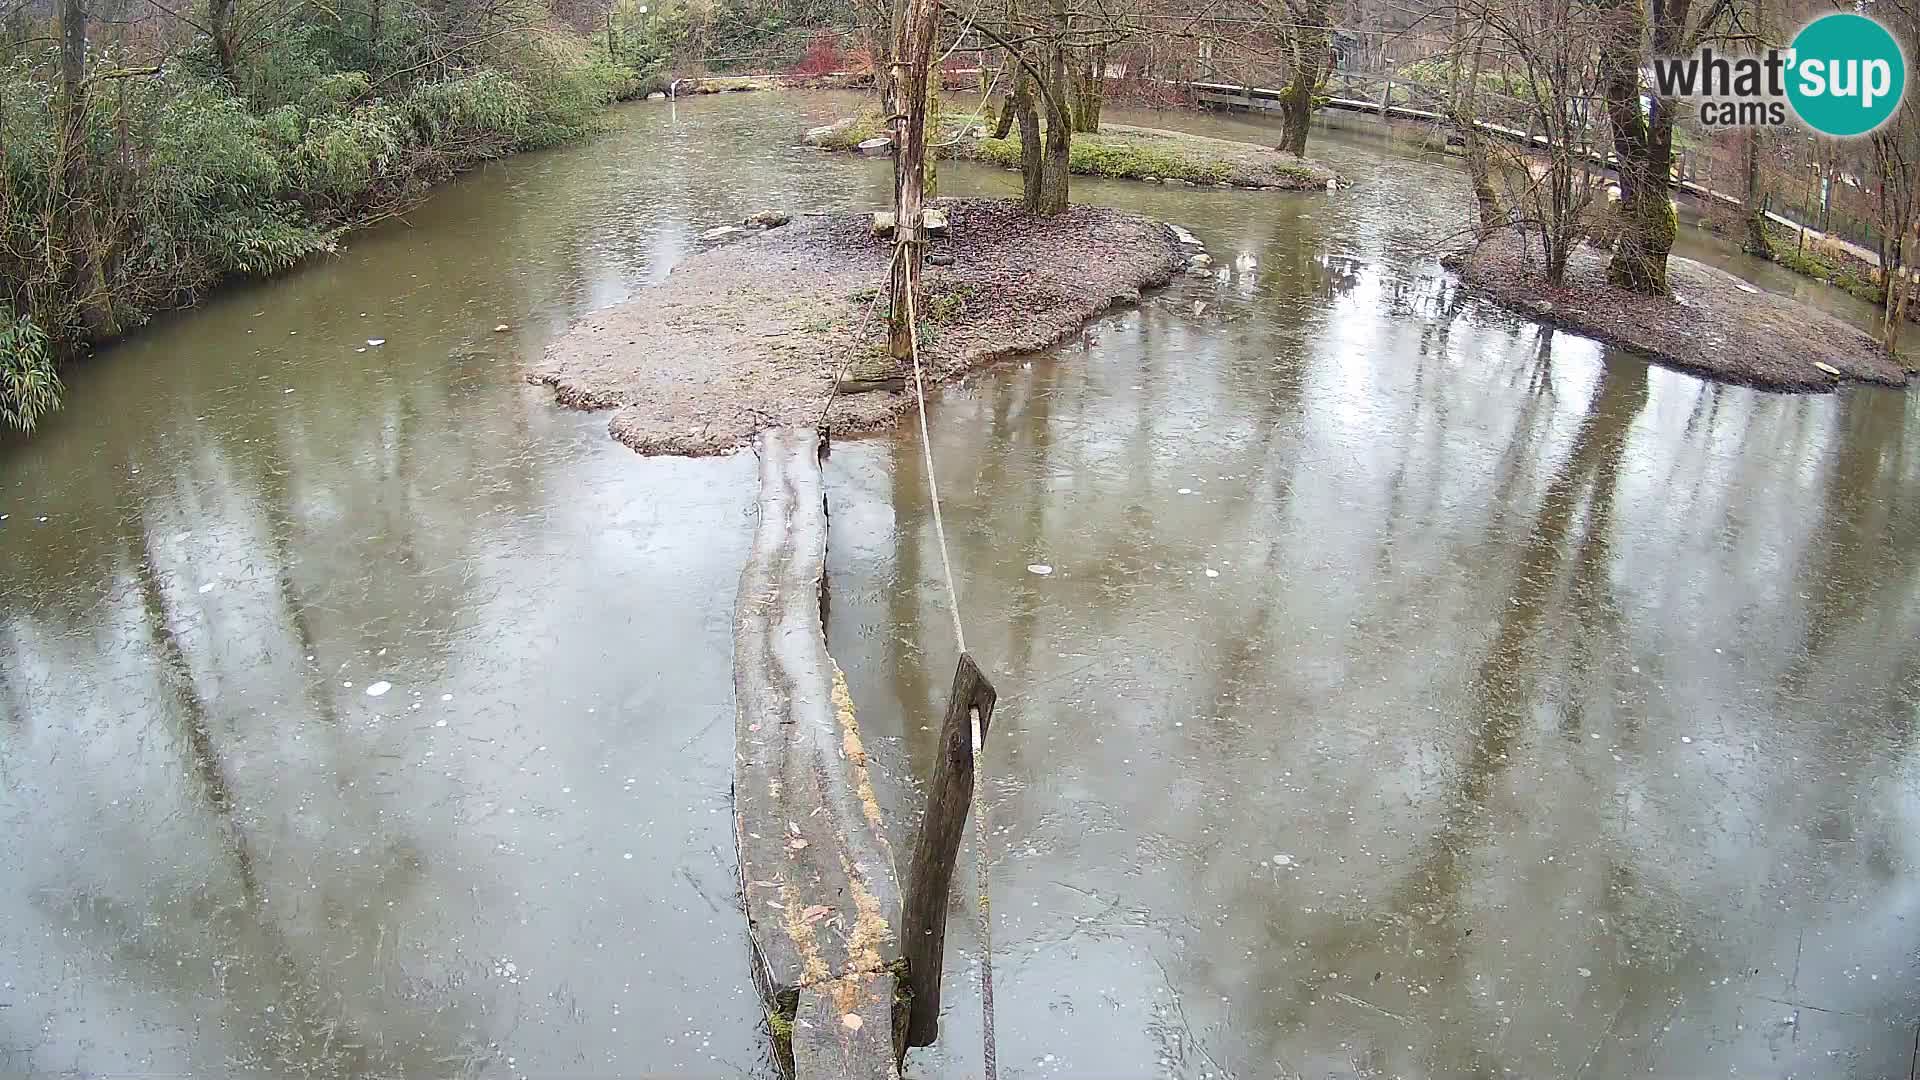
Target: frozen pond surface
[1408,691]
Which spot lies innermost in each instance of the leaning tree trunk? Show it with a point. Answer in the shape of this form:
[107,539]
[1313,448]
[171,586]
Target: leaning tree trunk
[1309,57]
[1646,224]
[1004,118]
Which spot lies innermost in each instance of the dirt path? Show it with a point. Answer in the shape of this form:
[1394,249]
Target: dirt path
[751,335]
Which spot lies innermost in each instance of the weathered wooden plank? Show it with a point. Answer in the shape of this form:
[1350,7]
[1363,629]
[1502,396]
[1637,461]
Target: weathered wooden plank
[817,873]
[844,1030]
[930,879]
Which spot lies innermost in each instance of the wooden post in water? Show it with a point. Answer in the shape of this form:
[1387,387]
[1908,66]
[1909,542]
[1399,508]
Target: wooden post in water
[929,879]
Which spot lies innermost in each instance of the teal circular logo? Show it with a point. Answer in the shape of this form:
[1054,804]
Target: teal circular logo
[1847,75]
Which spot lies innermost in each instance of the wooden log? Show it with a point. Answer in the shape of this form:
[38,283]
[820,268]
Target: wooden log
[843,1030]
[849,387]
[816,870]
[949,799]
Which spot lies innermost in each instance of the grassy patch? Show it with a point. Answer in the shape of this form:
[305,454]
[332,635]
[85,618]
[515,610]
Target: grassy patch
[729,85]
[1093,155]
[865,126]
[1813,264]
[945,306]
[1132,153]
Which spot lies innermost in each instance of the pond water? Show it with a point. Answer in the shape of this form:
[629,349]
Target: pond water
[1415,692]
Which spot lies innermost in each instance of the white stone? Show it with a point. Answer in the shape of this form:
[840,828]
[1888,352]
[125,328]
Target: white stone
[819,135]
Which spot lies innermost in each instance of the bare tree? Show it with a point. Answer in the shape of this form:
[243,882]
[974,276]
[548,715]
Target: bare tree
[1896,159]
[1469,40]
[1548,69]
[1643,143]
[1310,51]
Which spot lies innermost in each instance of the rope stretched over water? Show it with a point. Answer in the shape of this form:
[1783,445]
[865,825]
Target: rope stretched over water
[988,1053]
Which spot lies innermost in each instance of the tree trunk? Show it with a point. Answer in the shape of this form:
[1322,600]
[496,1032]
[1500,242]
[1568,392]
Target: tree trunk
[930,166]
[1466,121]
[1089,89]
[886,64]
[1003,120]
[220,28]
[1646,222]
[1899,205]
[1309,57]
[1756,199]
[1032,163]
[1053,183]
[373,35]
[1896,294]
[73,53]
[914,48]
[66,177]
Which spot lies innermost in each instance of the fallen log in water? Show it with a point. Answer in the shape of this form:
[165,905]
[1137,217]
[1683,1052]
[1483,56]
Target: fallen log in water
[817,874]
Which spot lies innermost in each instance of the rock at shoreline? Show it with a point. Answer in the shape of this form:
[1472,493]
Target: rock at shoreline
[723,232]
[824,134]
[754,334]
[768,219]
[656,96]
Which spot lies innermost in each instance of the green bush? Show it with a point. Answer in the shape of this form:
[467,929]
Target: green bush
[186,177]
[29,386]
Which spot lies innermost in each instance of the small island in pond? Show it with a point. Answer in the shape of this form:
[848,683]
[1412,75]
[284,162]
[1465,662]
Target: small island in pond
[1713,324]
[1118,151]
[758,332]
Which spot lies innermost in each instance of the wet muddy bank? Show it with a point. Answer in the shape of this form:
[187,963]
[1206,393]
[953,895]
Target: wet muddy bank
[1714,325]
[754,334]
